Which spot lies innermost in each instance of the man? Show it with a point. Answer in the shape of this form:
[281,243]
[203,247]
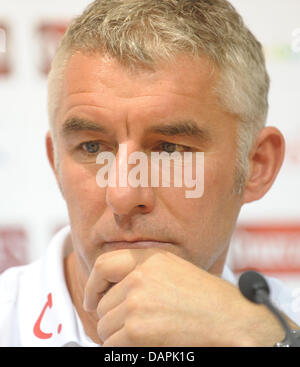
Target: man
[143,265]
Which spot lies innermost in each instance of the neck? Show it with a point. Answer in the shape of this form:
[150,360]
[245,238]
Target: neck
[76,283]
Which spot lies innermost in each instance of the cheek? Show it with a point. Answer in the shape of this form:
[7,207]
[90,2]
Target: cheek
[219,176]
[218,203]
[84,198]
[206,223]
[85,203]
[218,185]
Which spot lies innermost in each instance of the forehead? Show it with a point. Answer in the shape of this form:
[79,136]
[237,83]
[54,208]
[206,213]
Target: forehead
[100,73]
[99,88]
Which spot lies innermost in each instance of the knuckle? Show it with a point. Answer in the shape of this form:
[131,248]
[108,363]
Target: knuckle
[136,278]
[99,265]
[133,303]
[102,261]
[133,330]
[156,255]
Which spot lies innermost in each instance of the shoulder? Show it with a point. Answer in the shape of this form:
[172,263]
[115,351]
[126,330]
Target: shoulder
[10,281]
[35,305]
[285,299]
[10,285]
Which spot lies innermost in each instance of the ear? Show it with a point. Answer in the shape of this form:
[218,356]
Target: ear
[265,162]
[51,158]
[50,151]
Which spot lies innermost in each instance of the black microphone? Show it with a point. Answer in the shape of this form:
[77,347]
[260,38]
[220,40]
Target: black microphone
[256,289]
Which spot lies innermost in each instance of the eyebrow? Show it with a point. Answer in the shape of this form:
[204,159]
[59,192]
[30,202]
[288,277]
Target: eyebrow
[75,124]
[187,128]
[181,128]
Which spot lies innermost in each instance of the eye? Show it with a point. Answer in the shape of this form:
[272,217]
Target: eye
[168,147]
[91,147]
[172,147]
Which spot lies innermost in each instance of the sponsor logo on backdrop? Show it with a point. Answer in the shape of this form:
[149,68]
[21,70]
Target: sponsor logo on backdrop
[49,36]
[284,52]
[269,249]
[5,67]
[13,247]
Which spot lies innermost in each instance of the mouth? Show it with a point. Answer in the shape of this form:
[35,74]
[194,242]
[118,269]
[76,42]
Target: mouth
[140,244]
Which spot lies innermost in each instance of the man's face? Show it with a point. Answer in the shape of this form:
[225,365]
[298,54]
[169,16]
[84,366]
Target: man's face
[138,109]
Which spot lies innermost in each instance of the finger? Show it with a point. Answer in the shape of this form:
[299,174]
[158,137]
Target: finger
[112,321]
[118,339]
[108,269]
[111,299]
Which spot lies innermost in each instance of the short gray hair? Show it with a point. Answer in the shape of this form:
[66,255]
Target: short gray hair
[141,33]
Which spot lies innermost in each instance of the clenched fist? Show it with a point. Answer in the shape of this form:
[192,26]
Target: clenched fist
[153,298]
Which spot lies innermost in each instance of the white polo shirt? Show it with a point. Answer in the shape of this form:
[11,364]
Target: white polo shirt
[36,308]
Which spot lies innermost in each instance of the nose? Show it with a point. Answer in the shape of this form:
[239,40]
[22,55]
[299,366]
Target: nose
[124,199]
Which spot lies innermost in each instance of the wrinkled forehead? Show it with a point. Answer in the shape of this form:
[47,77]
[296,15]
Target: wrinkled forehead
[102,96]
[184,71]
[182,89]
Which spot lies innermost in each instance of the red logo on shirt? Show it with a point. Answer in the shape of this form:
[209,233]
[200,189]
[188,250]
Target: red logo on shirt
[37,326]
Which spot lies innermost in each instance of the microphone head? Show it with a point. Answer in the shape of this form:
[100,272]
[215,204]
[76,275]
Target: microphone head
[250,283]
